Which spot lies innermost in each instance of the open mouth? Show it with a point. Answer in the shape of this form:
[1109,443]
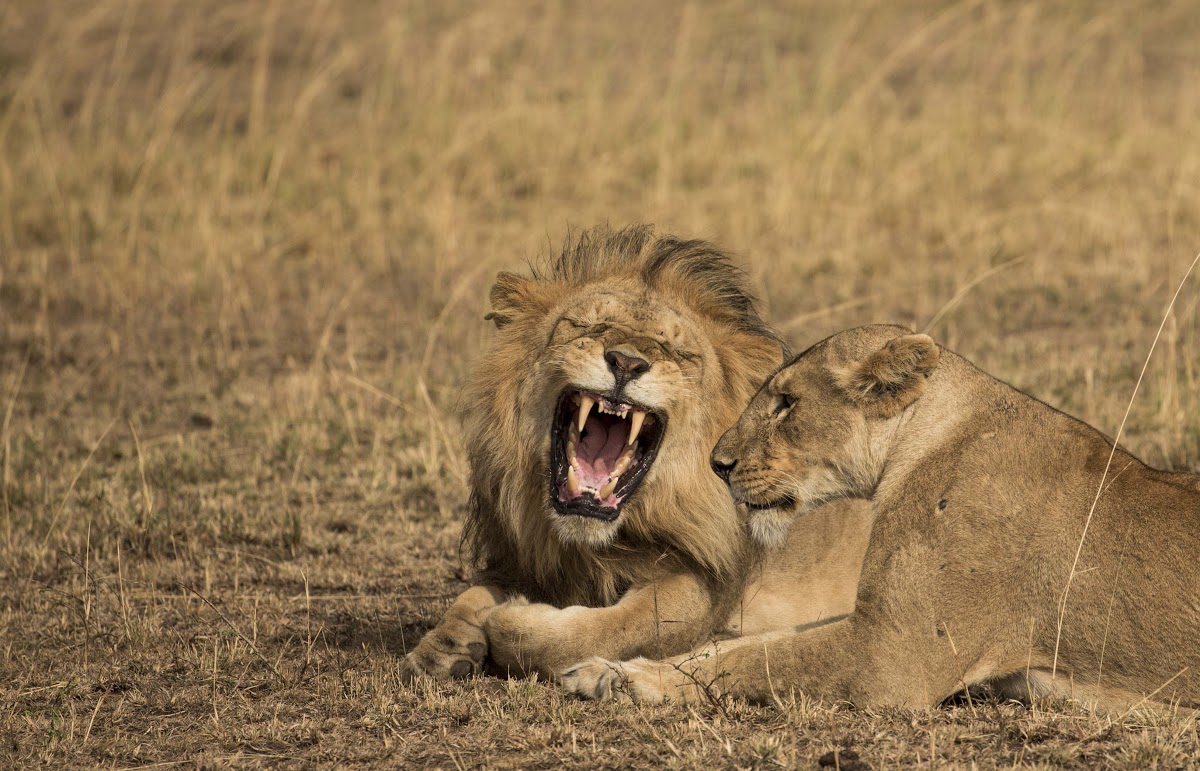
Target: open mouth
[599,453]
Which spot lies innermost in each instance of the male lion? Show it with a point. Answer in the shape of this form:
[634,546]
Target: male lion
[978,568]
[589,420]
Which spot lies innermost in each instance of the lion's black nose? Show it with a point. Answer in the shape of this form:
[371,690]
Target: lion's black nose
[624,366]
[721,467]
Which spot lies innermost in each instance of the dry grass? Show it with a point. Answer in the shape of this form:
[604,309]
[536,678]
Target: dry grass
[244,249]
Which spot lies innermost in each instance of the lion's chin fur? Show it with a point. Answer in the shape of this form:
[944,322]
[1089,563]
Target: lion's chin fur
[583,531]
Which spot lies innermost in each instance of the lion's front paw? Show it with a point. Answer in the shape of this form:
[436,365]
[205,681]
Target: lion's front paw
[639,681]
[454,648]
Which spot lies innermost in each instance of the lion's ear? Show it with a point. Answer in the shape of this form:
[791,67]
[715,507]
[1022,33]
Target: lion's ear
[893,377]
[511,296]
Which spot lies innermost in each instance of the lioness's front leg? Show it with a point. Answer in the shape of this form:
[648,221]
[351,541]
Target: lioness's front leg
[837,662]
[457,646]
[684,679]
[660,619]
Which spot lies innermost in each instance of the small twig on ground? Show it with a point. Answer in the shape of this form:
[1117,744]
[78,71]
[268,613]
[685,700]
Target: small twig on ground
[713,698]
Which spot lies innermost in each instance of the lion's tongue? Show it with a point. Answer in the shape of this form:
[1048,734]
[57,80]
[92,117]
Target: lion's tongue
[599,449]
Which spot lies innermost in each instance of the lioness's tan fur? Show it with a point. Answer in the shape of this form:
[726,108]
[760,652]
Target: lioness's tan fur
[668,573]
[981,495]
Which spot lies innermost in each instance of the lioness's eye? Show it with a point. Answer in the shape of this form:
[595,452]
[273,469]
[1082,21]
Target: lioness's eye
[785,403]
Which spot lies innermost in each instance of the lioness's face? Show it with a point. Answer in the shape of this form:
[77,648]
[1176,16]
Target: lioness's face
[624,366]
[784,455]
[817,429]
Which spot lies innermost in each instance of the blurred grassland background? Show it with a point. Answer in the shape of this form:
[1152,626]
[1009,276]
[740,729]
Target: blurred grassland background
[244,255]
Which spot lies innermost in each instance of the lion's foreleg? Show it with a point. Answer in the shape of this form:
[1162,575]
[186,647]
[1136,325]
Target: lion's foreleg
[664,618]
[457,646]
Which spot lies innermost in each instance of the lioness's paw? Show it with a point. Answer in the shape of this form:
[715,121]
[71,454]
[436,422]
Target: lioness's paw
[595,678]
[639,681]
[454,648]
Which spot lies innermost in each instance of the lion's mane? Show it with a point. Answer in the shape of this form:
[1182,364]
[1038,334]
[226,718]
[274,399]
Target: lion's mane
[683,522]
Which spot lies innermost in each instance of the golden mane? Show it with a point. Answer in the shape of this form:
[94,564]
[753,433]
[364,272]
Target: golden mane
[683,520]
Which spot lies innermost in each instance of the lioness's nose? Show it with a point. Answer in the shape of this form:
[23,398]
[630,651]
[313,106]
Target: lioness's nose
[624,366]
[722,467]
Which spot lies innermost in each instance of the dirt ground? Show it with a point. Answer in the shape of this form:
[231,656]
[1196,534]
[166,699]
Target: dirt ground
[244,256]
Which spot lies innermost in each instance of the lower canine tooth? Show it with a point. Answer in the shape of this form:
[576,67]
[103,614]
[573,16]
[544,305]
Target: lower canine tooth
[607,490]
[623,462]
[572,481]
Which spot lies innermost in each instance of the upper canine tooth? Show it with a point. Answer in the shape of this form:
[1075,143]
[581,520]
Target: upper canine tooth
[585,406]
[635,425]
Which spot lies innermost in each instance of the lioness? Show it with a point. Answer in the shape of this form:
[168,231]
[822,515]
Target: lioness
[975,570]
[589,420]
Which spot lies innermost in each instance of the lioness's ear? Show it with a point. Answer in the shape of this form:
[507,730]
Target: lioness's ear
[512,295]
[893,377]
